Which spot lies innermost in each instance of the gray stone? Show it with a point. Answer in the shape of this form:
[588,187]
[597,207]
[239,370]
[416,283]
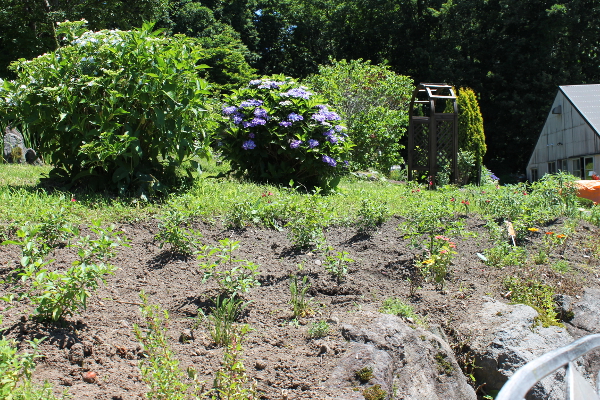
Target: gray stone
[408,363]
[586,312]
[503,339]
[13,145]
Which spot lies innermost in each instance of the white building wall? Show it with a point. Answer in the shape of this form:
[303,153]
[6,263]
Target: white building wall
[564,136]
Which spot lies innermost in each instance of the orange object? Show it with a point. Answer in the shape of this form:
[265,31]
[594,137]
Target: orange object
[589,190]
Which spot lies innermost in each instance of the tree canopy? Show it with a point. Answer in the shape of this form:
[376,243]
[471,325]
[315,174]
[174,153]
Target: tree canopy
[512,53]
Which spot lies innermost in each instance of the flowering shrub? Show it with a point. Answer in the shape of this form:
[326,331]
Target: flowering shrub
[279,131]
[437,259]
[112,108]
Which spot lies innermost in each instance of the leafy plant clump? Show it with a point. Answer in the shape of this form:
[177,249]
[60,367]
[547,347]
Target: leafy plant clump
[364,374]
[233,276]
[57,293]
[536,294]
[279,131]
[318,329]
[374,392]
[374,102]
[124,107]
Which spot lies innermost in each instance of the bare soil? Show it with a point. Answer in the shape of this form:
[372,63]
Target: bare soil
[278,355]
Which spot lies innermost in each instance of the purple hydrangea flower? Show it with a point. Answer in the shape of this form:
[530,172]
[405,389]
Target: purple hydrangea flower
[312,143]
[333,139]
[321,107]
[328,160]
[298,93]
[319,117]
[229,110]
[246,124]
[285,123]
[251,135]
[237,118]
[255,82]
[339,128]
[330,132]
[257,121]
[294,144]
[251,103]
[248,145]
[261,113]
[270,85]
[295,117]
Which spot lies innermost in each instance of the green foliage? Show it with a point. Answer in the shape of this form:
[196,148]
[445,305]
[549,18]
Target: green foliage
[471,137]
[279,131]
[301,304]
[124,107]
[172,231]
[318,329]
[336,264]
[396,306]
[364,374]
[233,276]
[222,319]
[305,227]
[160,369]
[55,292]
[374,392]
[534,293]
[371,214]
[15,366]
[504,255]
[373,100]
[231,381]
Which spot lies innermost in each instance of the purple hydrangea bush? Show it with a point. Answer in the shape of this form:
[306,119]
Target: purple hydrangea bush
[278,130]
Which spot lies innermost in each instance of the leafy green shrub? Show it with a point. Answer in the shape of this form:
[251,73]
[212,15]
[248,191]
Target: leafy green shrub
[398,307]
[471,137]
[336,264]
[123,107]
[172,231]
[374,101]
[280,131]
[371,214]
[56,292]
[14,366]
[233,276]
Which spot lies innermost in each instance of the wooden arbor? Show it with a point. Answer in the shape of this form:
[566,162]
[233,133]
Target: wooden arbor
[433,131]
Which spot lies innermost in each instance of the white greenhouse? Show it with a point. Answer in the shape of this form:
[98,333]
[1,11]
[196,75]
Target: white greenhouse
[570,139]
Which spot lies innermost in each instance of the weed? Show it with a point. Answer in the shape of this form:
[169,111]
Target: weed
[534,293]
[233,276]
[301,305]
[374,392]
[222,319]
[364,374]
[57,293]
[160,369]
[15,367]
[230,381]
[503,255]
[541,257]
[561,266]
[337,264]
[306,226]
[171,231]
[318,329]
[398,307]
[371,214]
[444,366]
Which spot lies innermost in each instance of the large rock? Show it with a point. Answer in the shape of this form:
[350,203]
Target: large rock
[409,363]
[503,339]
[583,317]
[15,150]
[14,146]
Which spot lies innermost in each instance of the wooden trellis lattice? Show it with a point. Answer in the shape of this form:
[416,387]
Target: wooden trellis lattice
[433,131]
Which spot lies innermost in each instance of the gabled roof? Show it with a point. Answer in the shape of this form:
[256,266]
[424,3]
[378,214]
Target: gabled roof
[586,99]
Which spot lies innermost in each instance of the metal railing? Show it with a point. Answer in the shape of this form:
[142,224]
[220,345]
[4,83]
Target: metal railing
[578,388]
